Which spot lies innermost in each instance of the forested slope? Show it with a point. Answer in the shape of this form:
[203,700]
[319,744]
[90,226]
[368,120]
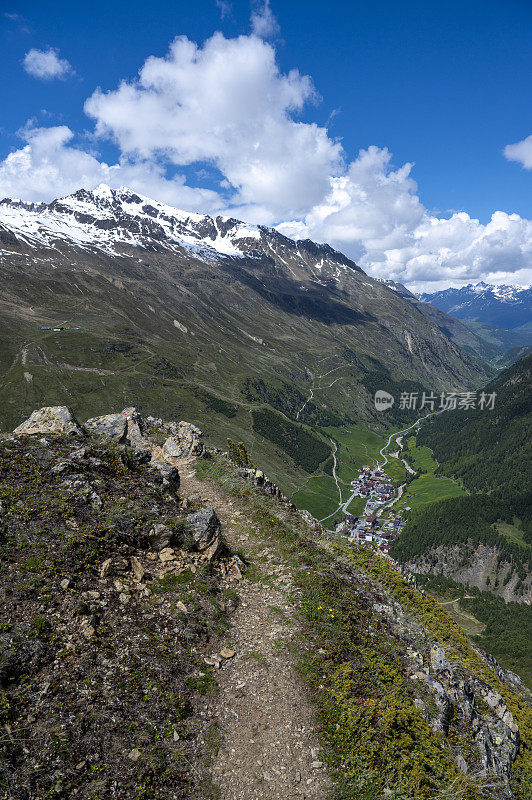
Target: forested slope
[484,539]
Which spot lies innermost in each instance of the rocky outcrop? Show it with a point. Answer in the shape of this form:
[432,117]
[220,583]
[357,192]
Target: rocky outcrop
[448,693]
[111,427]
[164,476]
[186,441]
[480,566]
[91,596]
[51,419]
[127,427]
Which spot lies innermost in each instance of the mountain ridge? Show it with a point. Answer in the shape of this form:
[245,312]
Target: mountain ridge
[507,307]
[110,298]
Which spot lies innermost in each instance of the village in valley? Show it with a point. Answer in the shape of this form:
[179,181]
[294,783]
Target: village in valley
[373,526]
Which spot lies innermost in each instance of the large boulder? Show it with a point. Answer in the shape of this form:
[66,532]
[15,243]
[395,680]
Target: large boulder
[51,419]
[110,426]
[164,476]
[186,442]
[204,528]
[127,427]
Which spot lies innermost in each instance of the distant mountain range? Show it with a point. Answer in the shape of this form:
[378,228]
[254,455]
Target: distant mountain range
[178,312]
[507,307]
[500,314]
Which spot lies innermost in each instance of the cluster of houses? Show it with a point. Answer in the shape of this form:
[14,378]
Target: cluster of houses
[374,485]
[370,529]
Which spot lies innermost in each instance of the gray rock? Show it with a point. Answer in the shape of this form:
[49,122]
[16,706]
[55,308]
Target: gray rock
[50,419]
[137,568]
[186,441]
[160,536]
[127,427]
[205,528]
[110,426]
[164,476]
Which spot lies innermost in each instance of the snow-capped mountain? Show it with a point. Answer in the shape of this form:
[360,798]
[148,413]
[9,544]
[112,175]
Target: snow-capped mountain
[107,295]
[399,288]
[117,220]
[508,307]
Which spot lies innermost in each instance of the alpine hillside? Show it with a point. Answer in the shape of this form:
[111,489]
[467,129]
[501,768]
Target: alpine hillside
[174,628]
[109,297]
[483,539]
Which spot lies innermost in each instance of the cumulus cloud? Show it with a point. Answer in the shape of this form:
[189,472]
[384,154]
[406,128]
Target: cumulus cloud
[226,104]
[50,166]
[373,214]
[226,107]
[46,64]
[263,21]
[521,152]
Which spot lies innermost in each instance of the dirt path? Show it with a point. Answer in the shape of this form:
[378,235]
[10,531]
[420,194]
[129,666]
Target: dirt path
[269,748]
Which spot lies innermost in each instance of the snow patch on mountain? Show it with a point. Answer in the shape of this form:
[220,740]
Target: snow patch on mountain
[504,306]
[105,217]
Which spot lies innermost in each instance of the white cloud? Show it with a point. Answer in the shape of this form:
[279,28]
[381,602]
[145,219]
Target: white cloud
[46,64]
[263,21]
[373,214]
[521,152]
[49,166]
[227,104]
[224,7]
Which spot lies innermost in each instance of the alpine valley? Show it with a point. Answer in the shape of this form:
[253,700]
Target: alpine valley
[176,312]
[225,572]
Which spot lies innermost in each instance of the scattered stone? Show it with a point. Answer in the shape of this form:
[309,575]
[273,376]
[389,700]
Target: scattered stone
[50,419]
[181,607]
[160,536]
[65,583]
[234,568]
[134,754]
[137,568]
[213,661]
[167,554]
[226,652]
[205,528]
[106,568]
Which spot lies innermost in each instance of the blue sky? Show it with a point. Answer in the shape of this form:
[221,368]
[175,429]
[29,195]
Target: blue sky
[444,87]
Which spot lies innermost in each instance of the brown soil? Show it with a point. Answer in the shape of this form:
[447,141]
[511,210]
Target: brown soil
[261,725]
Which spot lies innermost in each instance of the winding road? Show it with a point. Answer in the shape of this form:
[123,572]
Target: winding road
[344,506]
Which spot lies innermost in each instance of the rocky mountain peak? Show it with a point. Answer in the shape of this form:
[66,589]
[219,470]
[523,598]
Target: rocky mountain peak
[113,219]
